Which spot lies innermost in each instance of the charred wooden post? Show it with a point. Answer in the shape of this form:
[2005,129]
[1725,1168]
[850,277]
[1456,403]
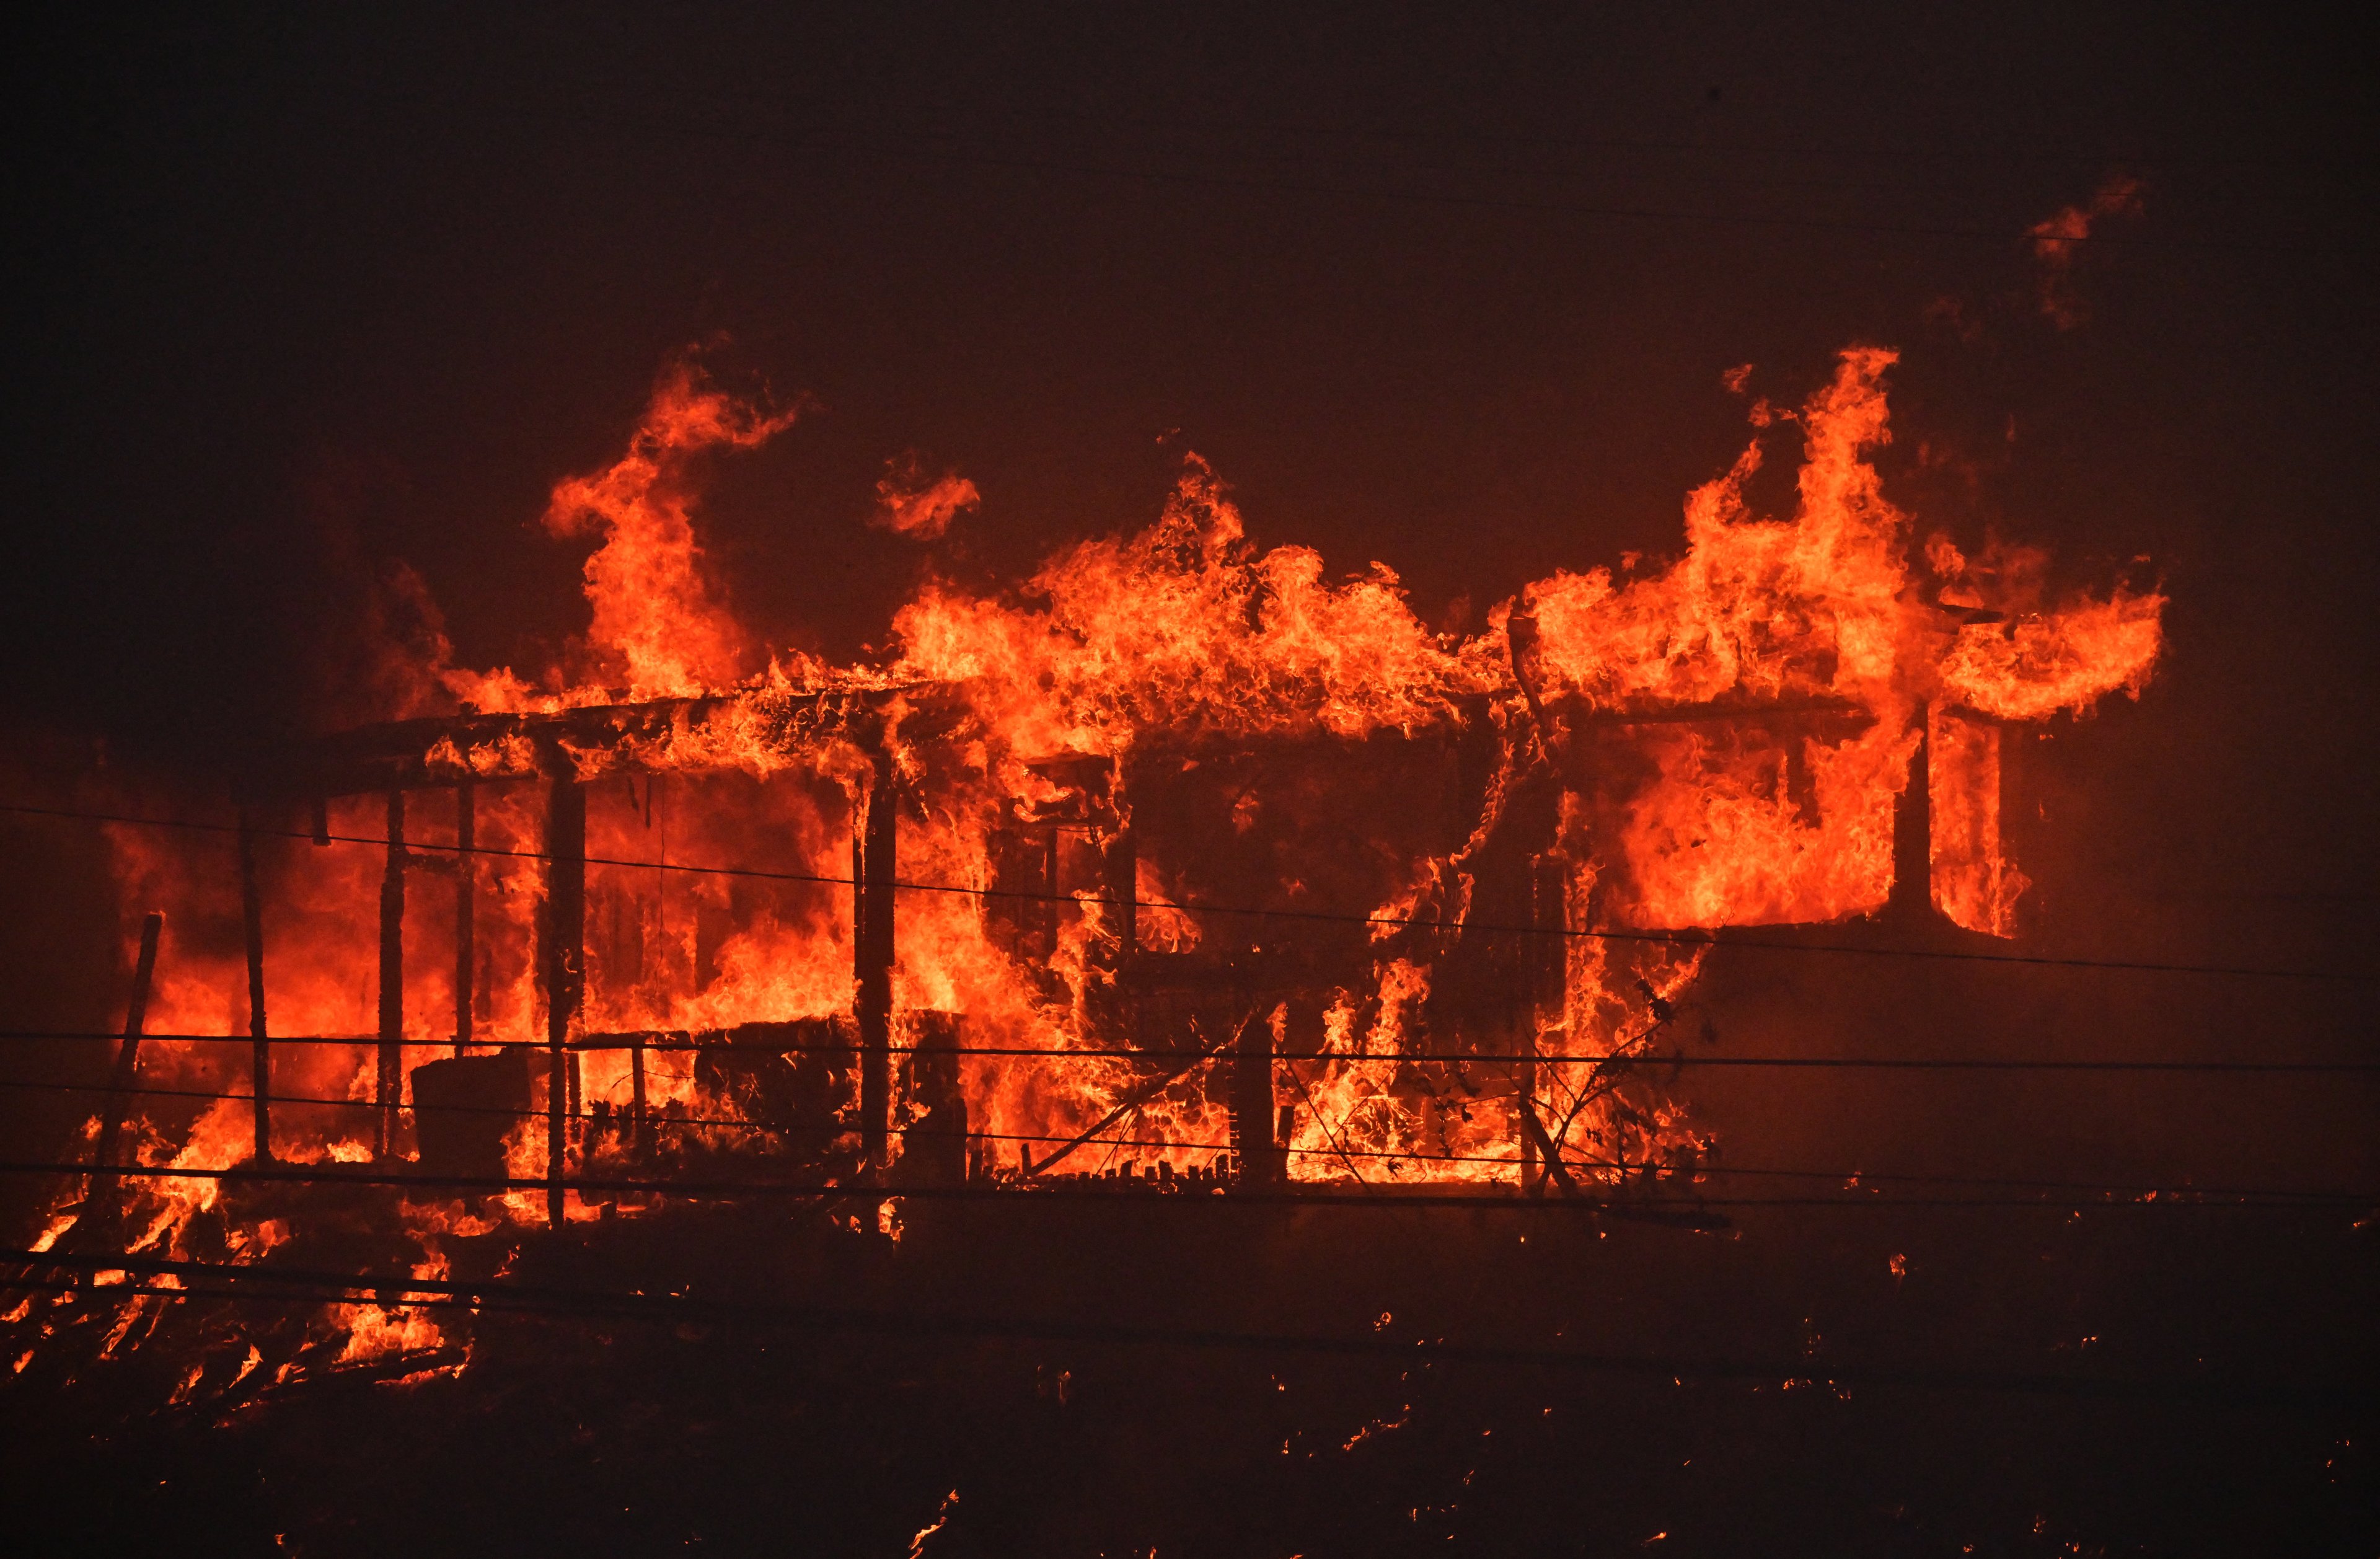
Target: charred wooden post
[467,883]
[1119,870]
[874,842]
[1047,888]
[103,1188]
[251,909]
[563,963]
[1524,1103]
[1255,1145]
[637,1126]
[1913,832]
[389,1086]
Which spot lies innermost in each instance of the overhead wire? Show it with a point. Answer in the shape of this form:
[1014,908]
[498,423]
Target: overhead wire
[727,1054]
[1689,939]
[1177,1190]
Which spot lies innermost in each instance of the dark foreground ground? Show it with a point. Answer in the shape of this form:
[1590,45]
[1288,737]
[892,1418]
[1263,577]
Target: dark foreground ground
[1160,1376]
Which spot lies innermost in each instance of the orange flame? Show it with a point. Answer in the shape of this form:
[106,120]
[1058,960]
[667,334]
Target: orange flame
[1721,741]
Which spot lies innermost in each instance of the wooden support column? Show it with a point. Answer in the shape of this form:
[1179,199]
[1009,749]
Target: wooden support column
[389,1090]
[874,846]
[562,962]
[1255,1146]
[466,885]
[104,1190]
[1531,1183]
[637,1094]
[1120,865]
[259,1070]
[1912,837]
[1050,898]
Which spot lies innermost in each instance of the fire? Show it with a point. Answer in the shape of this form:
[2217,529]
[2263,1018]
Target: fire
[1170,807]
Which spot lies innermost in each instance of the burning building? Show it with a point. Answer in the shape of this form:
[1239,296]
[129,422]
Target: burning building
[1179,864]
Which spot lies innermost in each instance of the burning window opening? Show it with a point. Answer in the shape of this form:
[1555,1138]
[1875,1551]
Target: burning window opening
[1181,869]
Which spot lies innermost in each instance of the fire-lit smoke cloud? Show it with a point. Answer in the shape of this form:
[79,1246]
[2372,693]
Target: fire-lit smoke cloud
[914,505]
[2057,241]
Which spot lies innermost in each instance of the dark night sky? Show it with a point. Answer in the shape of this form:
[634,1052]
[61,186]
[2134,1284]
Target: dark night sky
[313,293]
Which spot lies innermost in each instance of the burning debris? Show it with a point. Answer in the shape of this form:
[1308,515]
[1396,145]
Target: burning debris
[1181,869]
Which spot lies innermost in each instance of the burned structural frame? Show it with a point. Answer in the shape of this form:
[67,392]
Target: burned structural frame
[465,752]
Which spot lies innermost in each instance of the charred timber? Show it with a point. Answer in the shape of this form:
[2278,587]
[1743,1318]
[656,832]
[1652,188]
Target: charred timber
[104,1191]
[563,962]
[467,883]
[874,843]
[1912,899]
[389,1089]
[251,907]
[714,731]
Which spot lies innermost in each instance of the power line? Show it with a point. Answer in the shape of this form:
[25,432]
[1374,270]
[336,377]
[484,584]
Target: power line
[1688,938]
[754,1053]
[1674,1208]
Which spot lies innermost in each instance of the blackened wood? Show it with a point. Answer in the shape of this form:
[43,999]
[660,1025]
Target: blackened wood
[874,840]
[1256,1146]
[389,1086]
[637,1095]
[467,883]
[1047,889]
[563,962]
[104,1188]
[251,909]
[1912,835]
[1120,864]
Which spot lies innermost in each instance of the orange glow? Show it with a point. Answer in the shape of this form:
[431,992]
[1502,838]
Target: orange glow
[1275,762]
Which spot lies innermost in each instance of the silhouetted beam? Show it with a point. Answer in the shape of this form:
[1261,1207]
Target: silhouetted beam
[467,882]
[1716,714]
[563,961]
[251,909]
[874,845]
[105,1189]
[389,1086]
[1253,1140]
[1120,868]
[1912,842]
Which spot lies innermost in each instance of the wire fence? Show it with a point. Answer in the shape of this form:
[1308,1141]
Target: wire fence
[681,1041]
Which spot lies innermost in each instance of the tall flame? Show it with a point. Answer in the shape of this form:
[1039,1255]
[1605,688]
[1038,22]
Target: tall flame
[1721,741]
